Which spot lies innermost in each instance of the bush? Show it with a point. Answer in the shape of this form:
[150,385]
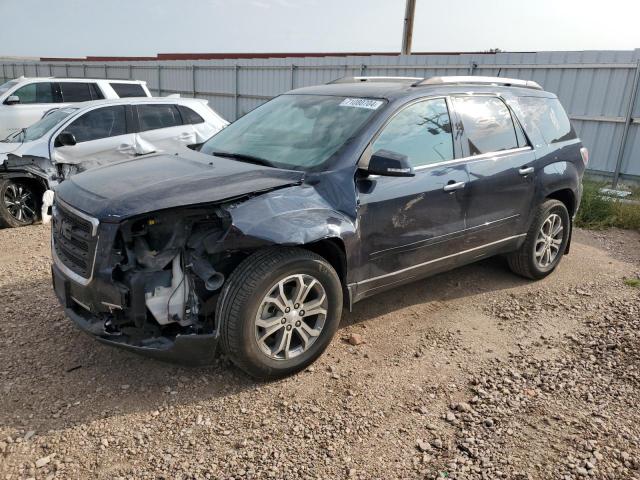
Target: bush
[598,212]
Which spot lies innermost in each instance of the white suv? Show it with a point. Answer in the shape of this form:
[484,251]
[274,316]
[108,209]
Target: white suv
[79,137]
[24,101]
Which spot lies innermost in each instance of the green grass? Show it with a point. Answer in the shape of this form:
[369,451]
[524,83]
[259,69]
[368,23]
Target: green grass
[632,282]
[598,213]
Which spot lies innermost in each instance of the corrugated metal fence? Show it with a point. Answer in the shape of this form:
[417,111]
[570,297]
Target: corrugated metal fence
[599,89]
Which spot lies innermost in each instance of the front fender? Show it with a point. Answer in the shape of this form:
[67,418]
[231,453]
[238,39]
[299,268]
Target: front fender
[296,215]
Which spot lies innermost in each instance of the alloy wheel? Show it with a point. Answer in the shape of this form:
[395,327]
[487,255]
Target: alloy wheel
[291,317]
[549,241]
[20,203]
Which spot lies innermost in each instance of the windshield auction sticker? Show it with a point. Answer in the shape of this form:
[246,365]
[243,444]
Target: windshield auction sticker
[361,103]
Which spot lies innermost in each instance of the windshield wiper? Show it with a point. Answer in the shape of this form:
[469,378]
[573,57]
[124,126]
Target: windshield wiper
[245,158]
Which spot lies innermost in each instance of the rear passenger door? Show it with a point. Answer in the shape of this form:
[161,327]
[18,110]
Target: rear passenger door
[103,135]
[501,167]
[161,128]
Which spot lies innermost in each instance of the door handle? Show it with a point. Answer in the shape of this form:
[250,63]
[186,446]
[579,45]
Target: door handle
[124,148]
[452,187]
[525,171]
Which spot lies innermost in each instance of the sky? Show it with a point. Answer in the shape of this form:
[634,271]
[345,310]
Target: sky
[76,28]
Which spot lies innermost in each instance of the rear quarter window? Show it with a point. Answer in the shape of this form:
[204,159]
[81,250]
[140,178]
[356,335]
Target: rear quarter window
[189,117]
[128,90]
[548,117]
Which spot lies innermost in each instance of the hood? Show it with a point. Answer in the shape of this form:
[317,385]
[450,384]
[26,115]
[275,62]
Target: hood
[158,182]
[6,148]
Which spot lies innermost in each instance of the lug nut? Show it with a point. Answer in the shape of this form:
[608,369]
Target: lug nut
[287,310]
[288,327]
[284,320]
[301,312]
[296,306]
[298,323]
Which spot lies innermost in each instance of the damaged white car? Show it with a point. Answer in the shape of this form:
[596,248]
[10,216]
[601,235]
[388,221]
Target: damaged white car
[83,136]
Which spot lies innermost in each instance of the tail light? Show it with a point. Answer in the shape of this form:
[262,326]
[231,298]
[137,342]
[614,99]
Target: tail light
[584,152]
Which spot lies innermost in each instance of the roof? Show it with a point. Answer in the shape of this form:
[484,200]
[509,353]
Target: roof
[138,100]
[62,79]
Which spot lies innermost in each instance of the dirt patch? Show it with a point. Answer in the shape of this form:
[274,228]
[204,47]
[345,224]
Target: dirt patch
[475,373]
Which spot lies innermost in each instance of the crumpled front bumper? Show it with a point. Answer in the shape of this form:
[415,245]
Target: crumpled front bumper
[188,349]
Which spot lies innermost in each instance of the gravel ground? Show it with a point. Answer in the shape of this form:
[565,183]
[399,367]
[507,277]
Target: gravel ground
[475,373]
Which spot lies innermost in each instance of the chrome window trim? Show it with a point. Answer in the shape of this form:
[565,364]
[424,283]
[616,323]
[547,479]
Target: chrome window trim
[500,153]
[397,272]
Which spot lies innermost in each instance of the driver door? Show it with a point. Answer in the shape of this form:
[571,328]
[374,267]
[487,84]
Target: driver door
[102,136]
[411,226]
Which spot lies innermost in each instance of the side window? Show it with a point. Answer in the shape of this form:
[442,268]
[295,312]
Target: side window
[547,116]
[421,131]
[189,116]
[153,117]
[99,123]
[487,124]
[41,92]
[75,92]
[128,90]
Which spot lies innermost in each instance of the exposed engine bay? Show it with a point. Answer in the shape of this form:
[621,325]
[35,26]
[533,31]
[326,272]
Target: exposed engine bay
[166,264]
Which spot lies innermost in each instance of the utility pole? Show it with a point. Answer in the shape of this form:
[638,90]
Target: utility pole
[407,34]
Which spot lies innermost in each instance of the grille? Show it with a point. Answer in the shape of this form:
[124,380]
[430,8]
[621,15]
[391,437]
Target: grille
[73,241]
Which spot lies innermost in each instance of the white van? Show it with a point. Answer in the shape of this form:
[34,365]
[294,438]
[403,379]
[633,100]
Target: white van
[24,101]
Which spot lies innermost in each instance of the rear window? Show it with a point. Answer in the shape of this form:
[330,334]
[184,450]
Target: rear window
[487,124]
[548,117]
[75,92]
[153,117]
[190,117]
[128,90]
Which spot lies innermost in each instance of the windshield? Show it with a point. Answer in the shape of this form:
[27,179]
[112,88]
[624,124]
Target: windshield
[41,127]
[296,132]
[5,87]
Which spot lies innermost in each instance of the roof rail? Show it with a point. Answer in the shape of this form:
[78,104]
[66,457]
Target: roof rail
[411,80]
[471,80]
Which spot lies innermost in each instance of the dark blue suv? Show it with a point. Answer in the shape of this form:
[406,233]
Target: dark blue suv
[317,199]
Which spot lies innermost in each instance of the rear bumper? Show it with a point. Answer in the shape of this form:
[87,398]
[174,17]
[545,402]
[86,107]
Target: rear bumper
[187,349]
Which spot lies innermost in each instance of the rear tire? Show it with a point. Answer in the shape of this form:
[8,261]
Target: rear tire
[19,203]
[545,243]
[264,327]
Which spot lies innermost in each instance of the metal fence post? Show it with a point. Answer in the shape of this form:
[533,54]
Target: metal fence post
[84,70]
[293,77]
[236,93]
[106,71]
[193,81]
[159,80]
[627,124]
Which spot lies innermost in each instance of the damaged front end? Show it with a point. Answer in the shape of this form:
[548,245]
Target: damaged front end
[148,284]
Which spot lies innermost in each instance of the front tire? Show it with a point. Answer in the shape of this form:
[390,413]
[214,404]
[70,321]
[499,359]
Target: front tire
[19,204]
[545,243]
[278,311]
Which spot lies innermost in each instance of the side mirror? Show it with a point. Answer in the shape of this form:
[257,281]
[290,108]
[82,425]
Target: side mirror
[12,100]
[66,139]
[390,164]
